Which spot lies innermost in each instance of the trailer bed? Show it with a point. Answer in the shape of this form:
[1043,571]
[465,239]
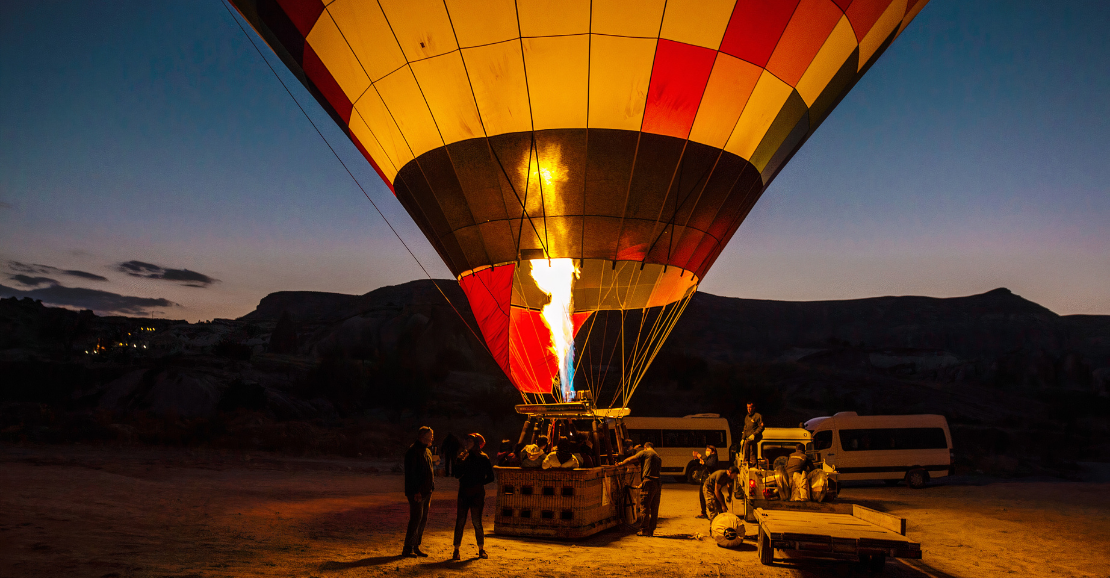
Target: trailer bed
[837,531]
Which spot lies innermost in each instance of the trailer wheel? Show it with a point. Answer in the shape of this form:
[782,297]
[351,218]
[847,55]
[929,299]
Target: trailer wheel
[917,478]
[766,553]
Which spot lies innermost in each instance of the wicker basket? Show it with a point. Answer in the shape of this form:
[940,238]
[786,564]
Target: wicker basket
[563,503]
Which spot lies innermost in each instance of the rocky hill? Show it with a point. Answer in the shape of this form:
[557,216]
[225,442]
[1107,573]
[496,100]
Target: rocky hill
[1025,389]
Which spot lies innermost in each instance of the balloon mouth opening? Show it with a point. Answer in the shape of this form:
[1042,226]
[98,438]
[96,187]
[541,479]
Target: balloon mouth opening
[555,277]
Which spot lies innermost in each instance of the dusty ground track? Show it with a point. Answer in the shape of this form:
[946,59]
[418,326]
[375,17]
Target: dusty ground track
[111,512]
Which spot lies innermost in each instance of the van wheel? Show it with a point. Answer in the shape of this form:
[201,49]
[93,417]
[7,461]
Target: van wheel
[695,473]
[916,479]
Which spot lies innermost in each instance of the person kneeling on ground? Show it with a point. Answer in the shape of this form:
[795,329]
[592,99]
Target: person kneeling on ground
[714,488]
[474,471]
[561,457]
[797,465]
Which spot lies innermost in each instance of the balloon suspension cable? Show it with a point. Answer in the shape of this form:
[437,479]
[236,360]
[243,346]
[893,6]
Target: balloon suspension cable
[353,178]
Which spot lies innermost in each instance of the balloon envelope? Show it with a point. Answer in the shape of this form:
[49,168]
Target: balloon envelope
[630,136]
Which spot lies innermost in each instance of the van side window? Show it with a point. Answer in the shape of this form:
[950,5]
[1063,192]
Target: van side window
[642,436]
[822,440]
[693,438]
[915,438]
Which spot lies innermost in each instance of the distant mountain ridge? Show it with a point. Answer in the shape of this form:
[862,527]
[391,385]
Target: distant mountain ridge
[731,329]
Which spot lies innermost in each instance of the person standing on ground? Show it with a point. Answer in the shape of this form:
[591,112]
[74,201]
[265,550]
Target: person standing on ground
[753,433]
[474,471]
[709,464]
[449,448]
[419,483]
[650,489]
[714,488]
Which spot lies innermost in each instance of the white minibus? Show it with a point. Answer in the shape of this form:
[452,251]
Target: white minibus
[914,448]
[676,438]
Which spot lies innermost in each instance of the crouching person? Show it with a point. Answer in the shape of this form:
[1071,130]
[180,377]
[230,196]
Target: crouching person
[714,488]
[474,471]
[797,466]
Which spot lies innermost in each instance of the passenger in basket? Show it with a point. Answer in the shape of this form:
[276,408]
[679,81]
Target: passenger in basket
[650,489]
[561,457]
[797,466]
[474,471]
[714,489]
[505,455]
[532,455]
[709,463]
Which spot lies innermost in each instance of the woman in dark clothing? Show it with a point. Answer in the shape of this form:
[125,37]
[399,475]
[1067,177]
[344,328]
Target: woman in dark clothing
[474,471]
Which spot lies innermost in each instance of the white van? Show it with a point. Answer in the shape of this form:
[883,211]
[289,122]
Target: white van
[676,438]
[915,448]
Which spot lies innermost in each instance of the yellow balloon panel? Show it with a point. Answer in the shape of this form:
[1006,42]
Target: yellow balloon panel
[406,104]
[761,110]
[833,54]
[422,27]
[614,17]
[620,71]
[479,22]
[444,84]
[553,17]
[378,120]
[500,87]
[328,43]
[368,33]
[370,142]
[697,22]
[558,71]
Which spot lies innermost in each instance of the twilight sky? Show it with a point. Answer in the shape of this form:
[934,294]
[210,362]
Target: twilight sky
[151,163]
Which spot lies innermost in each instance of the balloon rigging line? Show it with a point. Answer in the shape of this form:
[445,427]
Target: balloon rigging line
[349,173]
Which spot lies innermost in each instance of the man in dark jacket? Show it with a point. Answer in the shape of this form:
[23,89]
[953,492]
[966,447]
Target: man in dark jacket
[709,464]
[418,489]
[474,471]
[753,433]
[650,489]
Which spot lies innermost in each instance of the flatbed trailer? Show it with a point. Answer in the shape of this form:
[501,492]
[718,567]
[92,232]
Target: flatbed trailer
[831,531]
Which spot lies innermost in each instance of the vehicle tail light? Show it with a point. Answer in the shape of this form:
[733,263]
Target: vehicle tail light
[751,488]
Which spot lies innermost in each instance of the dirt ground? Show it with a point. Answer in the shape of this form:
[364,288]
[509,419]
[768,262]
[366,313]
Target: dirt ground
[112,512]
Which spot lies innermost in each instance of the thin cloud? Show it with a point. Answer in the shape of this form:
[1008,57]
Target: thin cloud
[30,281]
[4,205]
[84,275]
[152,271]
[102,302]
[38,269]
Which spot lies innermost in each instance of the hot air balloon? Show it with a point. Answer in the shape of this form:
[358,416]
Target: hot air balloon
[578,165]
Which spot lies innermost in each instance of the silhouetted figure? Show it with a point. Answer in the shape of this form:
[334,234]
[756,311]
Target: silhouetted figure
[419,483]
[449,452]
[474,471]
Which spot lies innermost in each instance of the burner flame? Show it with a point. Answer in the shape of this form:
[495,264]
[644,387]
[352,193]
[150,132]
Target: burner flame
[556,278]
